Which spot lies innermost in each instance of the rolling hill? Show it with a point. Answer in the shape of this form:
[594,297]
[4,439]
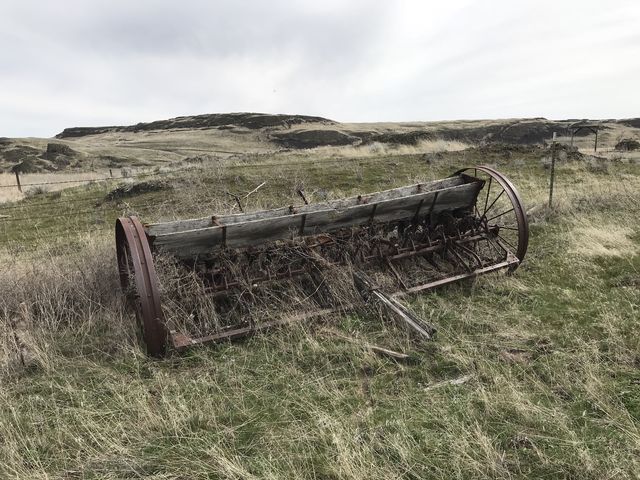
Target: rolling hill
[165,142]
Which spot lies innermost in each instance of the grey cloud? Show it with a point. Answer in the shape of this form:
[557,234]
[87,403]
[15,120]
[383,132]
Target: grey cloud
[76,62]
[199,28]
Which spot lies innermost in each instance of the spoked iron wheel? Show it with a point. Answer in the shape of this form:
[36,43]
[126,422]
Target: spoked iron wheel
[500,211]
[140,283]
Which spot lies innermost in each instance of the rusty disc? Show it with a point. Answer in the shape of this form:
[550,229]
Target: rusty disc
[140,283]
[500,208]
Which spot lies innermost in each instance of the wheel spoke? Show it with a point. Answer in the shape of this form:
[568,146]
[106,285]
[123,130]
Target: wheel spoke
[507,242]
[491,243]
[503,220]
[486,200]
[493,203]
[500,214]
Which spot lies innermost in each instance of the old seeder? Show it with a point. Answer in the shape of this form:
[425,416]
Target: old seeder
[232,275]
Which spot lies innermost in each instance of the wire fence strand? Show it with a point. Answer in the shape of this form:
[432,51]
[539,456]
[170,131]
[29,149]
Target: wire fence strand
[51,202]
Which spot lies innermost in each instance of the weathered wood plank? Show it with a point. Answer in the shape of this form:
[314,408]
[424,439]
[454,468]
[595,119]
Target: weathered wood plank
[269,229]
[262,231]
[205,222]
[369,290]
[193,242]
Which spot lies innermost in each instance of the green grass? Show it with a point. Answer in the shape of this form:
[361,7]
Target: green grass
[205,188]
[202,190]
[552,353]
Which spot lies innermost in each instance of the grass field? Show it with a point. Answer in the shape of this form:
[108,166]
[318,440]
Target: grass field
[533,375]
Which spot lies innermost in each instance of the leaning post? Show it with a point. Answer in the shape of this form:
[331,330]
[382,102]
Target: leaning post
[18,180]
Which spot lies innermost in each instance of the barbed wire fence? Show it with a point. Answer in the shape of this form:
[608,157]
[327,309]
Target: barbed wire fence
[25,217]
[74,211]
[82,220]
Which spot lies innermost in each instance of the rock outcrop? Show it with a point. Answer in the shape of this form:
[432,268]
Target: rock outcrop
[215,120]
[313,138]
[630,122]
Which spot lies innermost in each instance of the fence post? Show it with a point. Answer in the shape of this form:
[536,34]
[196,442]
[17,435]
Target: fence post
[553,168]
[18,180]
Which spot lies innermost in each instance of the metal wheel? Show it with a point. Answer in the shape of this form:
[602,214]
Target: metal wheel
[140,283]
[499,210]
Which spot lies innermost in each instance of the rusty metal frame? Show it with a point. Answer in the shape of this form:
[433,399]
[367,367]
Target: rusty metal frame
[140,282]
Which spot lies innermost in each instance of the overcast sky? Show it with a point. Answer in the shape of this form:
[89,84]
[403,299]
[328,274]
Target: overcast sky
[87,62]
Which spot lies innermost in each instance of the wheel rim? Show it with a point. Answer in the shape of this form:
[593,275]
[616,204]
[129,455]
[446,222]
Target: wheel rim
[139,283]
[500,211]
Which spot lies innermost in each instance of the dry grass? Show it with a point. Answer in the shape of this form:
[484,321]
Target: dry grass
[49,295]
[377,149]
[551,353]
[76,179]
[606,240]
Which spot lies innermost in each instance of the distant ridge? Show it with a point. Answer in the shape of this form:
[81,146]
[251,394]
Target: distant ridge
[224,120]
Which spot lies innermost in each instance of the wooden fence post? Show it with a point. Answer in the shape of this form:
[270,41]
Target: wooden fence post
[18,180]
[553,168]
